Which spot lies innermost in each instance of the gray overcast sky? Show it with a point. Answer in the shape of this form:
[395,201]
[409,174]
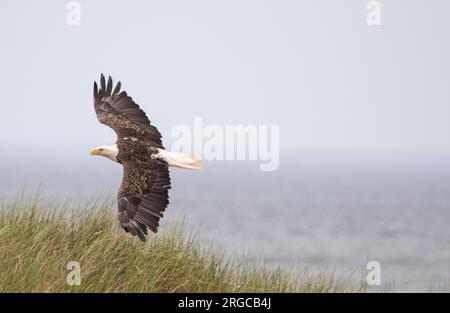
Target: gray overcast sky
[313,67]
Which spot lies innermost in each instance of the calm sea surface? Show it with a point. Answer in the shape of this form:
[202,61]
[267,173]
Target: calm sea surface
[326,218]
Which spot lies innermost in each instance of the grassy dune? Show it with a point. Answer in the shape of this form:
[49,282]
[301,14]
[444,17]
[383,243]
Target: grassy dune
[38,239]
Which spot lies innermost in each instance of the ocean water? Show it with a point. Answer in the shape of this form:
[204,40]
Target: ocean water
[334,217]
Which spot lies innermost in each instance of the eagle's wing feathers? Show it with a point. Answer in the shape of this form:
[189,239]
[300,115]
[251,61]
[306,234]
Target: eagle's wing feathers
[143,196]
[118,110]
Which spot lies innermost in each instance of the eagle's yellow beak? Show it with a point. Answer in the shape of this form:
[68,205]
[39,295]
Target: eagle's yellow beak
[94,151]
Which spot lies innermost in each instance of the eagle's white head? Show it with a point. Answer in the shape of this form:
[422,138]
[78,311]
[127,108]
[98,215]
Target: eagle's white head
[109,152]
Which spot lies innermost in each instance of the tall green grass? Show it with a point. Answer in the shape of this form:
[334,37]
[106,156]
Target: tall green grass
[39,238]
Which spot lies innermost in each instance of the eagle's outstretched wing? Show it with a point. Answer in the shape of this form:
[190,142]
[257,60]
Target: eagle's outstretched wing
[117,110]
[143,196]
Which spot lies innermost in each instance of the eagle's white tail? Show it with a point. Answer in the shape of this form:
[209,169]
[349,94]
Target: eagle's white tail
[180,160]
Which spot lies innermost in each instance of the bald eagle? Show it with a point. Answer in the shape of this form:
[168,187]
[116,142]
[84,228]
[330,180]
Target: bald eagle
[143,195]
